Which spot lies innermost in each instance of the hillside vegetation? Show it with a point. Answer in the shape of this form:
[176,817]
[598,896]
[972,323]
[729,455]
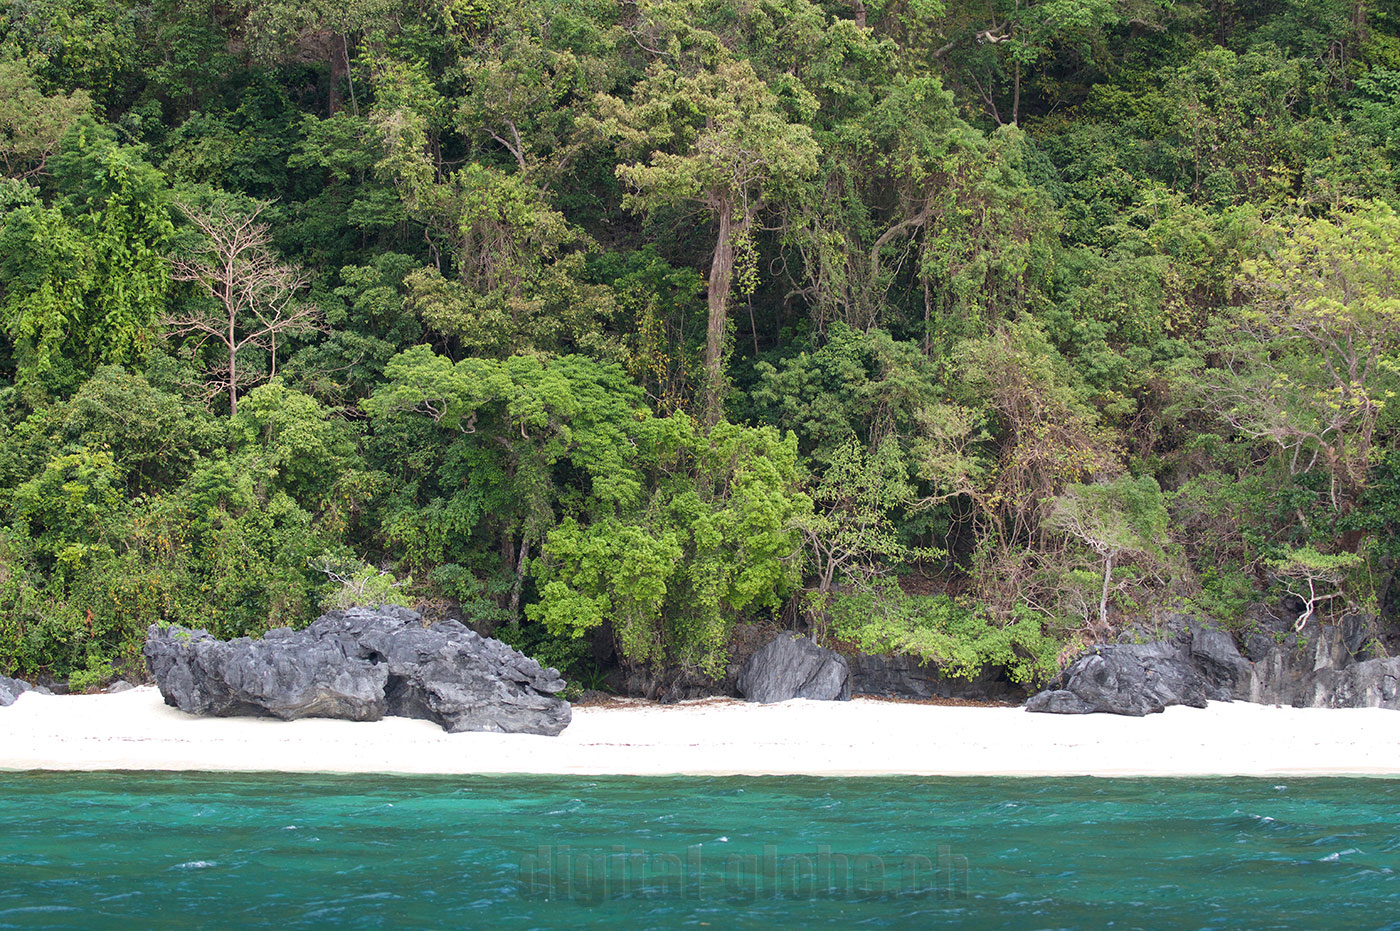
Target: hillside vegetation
[975,331]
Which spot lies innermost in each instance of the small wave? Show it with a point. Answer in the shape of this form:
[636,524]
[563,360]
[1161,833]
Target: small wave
[1333,857]
[195,865]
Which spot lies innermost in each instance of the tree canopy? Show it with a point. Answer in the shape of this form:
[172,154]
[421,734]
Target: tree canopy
[971,331]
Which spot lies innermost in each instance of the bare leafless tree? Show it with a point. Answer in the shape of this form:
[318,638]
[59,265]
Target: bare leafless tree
[254,295]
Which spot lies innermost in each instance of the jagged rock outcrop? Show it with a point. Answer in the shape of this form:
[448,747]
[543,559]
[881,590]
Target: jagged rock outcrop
[1132,679]
[1304,668]
[900,676]
[1323,666]
[450,674]
[1215,657]
[286,674]
[361,665]
[11,689]
[795,667]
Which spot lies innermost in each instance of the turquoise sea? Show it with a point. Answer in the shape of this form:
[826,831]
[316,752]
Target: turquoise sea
[124,850]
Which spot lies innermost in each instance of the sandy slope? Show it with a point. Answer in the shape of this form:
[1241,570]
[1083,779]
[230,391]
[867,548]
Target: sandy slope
[135,730]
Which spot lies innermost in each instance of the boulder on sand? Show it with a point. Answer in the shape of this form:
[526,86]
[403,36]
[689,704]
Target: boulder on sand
[1133,679]
[795,667]
[361,665]
[10,689]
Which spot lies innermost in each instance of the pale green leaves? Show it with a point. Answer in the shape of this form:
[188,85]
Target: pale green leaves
[717,137]
[86,279]
[712,543]
[1312,364]
[1119,517]
[31,124]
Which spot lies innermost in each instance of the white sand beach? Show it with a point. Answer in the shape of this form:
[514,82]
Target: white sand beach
[135,730]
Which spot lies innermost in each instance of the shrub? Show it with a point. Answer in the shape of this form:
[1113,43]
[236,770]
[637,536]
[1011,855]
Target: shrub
[959,639]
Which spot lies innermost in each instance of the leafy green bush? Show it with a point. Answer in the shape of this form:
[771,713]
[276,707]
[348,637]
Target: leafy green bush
[936,629]
[1225,592]
[479,599]
[93,675]
[351,583]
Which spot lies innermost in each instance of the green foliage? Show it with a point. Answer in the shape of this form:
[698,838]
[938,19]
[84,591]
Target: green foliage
[643,522]
[724,304]
[1232,115]
[476,598]
[1115,520]
[1313,577]
[86,280]
[31,124]
[70,509]
[857,386]
[1311,360]
[567,654]
[646,523]
[352,584]
[851,533]
[959,640]
[719,134]
[1123,516]
[702,553]
[1225,593]
[155,436]
[97,672]
[79,44]
[304,450]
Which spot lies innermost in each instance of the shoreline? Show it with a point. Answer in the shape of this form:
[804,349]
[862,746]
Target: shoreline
[135,731]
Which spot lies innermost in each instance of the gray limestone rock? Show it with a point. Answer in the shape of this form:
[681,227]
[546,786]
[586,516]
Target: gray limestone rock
[285,674]
[795,667]
[901,676]
[1131,679]
[361,665]
[1321,666]
[1223,670]
[11,689]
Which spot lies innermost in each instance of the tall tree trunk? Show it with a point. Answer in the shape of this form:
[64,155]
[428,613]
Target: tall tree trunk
[721,280]
[1016,98]
[232,368]
[928,314]
[1103,597]
[349,76]
[860,12]
[340,56]
[519,582]
[1358,26]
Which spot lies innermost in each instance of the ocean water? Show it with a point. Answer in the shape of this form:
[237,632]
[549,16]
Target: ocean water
[124,850]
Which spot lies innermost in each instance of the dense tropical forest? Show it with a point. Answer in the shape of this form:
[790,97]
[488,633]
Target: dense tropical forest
[978,331]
